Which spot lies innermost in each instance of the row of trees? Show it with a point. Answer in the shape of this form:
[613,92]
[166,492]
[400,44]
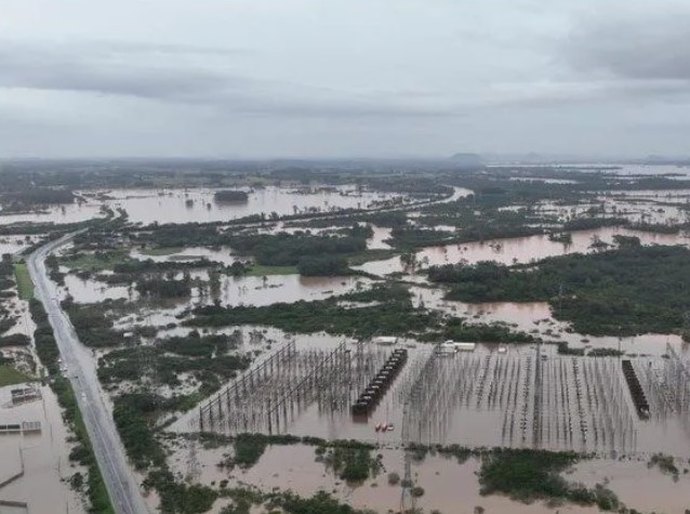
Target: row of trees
[625,291]
[230,196]
[287,249]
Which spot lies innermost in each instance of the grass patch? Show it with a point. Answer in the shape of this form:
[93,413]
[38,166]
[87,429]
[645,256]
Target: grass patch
[25,286]
[248,450]
[162,250]
[395,315]
[94,262]
[665,463]
[258,270]
[371,255]
[525,474]
[528,475]
[97,492]
[352,464]
[10,376]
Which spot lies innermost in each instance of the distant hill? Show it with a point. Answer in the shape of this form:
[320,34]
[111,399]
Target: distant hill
[467,159]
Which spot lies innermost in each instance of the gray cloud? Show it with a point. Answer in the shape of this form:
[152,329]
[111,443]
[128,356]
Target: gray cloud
[302,77]
[34,68]
[139,47]
[156,72]
[641,46]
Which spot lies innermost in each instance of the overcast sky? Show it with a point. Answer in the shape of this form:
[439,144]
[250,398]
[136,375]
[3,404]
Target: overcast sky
[335,78]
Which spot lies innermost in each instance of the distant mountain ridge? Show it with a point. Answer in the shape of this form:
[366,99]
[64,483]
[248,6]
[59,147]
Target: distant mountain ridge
[467,159]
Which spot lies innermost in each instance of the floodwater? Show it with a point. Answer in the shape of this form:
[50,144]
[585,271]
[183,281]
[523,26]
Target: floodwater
[59,214]
[45,456]
[473,419]
[378,240]
[655,194]
[375,242]
[458,192]
[648,206]
[660,493]
[15,244]
[190,253]
[637,209]
[271,289]
[94,291]
[198,205]
[621,169]
[20,313]
[517,250]
[651,169]
[449,486]
[509,395]
[233,291]
[544,180]
[153,316]
[536,318]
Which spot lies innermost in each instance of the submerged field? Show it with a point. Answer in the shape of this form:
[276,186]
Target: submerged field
[240,329]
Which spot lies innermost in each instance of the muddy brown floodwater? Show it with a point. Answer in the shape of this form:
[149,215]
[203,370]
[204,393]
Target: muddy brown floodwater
[449,486]
[94,291]
[44,454]
[190,253]
[536,318]
[198,205]
[69,213]
[286,288]
[517,250]
[496,395]
[644,488]
[234,291]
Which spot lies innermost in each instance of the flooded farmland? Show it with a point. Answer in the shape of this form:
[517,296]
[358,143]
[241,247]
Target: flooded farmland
[15,244]
[220,354]
[198,205]
[69,213]
[300,257]
[257,291]
[189,206]
[449,485]
[518,250]
[35,457]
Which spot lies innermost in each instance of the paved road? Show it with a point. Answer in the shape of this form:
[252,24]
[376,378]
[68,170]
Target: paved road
[81,370]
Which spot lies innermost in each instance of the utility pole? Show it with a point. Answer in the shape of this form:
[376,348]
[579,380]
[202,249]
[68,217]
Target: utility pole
[536,417]
[407,500]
